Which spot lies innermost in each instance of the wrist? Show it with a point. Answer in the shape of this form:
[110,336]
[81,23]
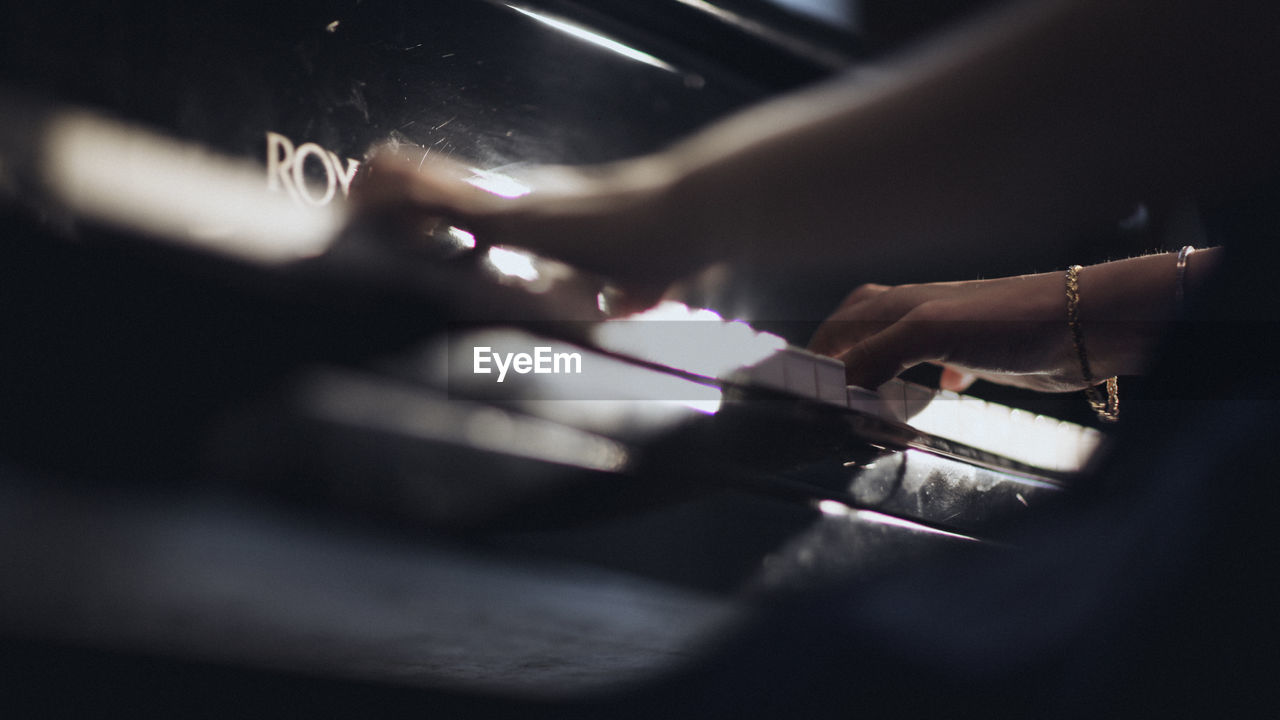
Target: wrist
[1126,305]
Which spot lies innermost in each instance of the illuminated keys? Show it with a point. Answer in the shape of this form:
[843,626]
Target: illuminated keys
[801,371]
[1016,434]
[798,372]
[1026,437]
[735,352]
[770,372]
[867,402]
[829,373]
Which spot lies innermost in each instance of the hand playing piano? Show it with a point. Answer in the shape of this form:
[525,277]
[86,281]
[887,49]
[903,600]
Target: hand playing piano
[1011,330]
[1008,330]
[609,220]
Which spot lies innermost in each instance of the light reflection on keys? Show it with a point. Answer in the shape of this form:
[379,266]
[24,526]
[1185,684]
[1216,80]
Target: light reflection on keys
[764,360]
[831,387]
[1016,434]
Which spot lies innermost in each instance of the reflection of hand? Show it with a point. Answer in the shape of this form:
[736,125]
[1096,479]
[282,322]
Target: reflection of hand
[1012,330]
[615,222]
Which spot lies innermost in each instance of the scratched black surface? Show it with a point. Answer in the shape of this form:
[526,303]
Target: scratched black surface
[477,80]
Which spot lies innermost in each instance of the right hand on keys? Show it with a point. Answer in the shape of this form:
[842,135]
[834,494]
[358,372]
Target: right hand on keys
[1011,331]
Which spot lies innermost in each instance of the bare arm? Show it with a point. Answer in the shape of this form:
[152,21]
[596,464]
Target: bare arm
[1013,330]
[1013,133]
[1046,118]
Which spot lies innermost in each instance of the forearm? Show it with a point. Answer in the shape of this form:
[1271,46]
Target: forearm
[1014,330]
[1060,115]
[1126,305]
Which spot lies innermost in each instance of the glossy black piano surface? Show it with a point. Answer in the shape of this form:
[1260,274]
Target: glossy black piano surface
[243,473]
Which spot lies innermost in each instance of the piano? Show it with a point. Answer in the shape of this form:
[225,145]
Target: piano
[243,433]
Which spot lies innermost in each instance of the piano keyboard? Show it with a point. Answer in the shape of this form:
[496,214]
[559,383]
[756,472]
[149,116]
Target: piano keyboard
[732,352]
[1025,437]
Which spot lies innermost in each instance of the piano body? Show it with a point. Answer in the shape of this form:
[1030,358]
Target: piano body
[233,441]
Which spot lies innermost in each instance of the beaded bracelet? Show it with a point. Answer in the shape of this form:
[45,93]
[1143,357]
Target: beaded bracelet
[1108,408]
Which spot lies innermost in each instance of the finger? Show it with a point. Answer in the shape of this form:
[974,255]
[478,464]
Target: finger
[955,380]
[835,336]
[862,293]
[867,310]
[880,357]
[630,298]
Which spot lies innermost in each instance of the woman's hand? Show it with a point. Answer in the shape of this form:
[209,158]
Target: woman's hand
[614,220]
[1011,330]
[1008,330]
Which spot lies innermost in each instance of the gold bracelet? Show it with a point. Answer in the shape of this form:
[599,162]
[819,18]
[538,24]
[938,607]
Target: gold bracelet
[1180,286]
[1108,409]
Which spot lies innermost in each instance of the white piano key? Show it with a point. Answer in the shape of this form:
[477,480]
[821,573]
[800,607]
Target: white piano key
[830,378]
[1004,427]
[1042,446]
[894,399]
[1068,445]
[947,407]
[801,372]
[1089,441]
[972,429]
[939,417]
[998,427]
[770,372]
[916,398]
[865,401]
[1020,439]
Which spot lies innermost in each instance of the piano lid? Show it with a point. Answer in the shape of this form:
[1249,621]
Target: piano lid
[488,82]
